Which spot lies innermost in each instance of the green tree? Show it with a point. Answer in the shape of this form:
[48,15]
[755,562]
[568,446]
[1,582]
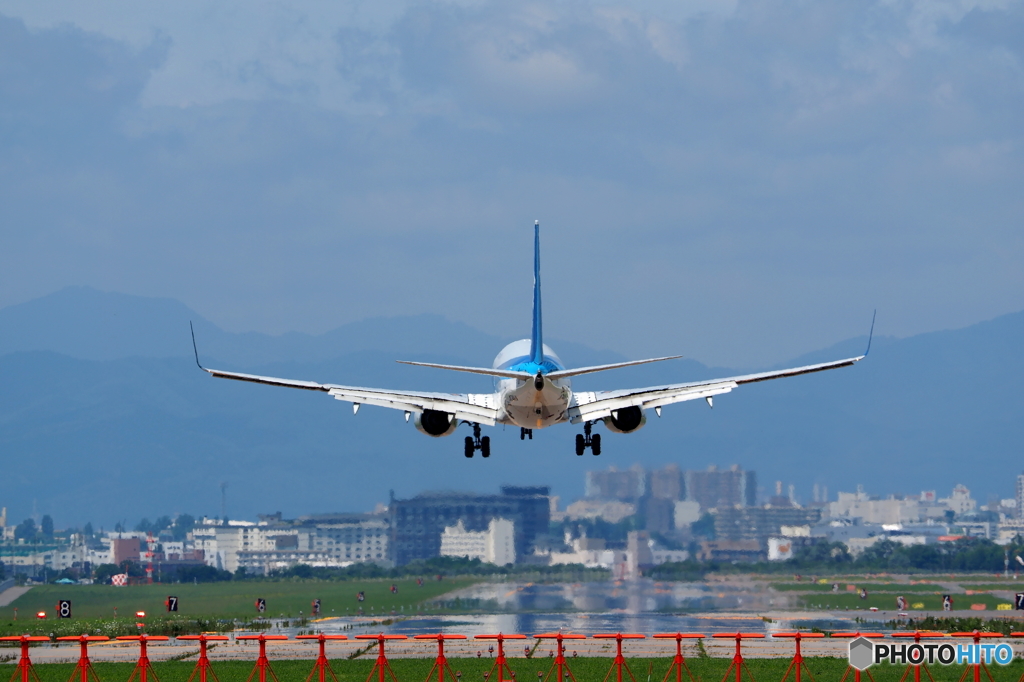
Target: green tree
[26,530]
[47,526]
[183,524]
[103,572]
[704,527]
[87,531]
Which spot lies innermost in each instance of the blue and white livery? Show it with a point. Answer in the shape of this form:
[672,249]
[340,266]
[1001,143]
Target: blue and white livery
[532,391]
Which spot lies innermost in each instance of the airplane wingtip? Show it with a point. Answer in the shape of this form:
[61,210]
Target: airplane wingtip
[871,332]
[194,348]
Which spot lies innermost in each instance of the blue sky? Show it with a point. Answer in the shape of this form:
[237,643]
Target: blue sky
[739,182]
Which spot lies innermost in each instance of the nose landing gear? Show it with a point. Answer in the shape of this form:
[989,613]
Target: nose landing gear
[525,433]
[475,442]
[586,440]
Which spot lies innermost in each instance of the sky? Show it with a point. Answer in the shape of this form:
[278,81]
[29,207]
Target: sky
[739,182]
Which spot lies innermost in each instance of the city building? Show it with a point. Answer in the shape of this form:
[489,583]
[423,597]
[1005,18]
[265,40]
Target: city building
[667,483]
[417,523]
[625,486]
[757,524]
[1020,496]
[326,540]
[715,489]
[496,545]
[611,511]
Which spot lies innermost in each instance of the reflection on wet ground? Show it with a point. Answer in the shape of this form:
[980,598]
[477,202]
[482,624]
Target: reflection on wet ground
[642,605]
[634,596]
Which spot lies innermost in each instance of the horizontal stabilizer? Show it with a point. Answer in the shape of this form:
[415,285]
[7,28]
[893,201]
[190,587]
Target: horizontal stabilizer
[563,373]
[508,374]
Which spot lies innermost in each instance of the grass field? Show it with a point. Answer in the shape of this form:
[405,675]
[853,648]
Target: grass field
[473,670]
[229,600]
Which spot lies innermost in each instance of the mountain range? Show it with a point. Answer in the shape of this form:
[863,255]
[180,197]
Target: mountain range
[105,417]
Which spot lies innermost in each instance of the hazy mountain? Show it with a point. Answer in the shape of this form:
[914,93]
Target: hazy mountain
[104,416]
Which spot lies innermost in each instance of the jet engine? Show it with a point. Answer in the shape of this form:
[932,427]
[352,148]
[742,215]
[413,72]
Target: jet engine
[436,423]
[626,420]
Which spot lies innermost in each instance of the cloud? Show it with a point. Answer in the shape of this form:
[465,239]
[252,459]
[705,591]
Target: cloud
[746,180]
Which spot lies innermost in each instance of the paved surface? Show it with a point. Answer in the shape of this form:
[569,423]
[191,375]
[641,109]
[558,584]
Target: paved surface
[12,593]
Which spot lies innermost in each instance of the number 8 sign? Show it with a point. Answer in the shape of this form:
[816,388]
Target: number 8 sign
[64,608]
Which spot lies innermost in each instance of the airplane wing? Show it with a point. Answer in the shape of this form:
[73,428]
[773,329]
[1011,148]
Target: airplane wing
[593,405]
[481,408]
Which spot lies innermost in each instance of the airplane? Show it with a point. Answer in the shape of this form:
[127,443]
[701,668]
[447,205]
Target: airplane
[533,391]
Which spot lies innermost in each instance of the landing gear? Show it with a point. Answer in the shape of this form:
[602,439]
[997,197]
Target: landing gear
[525,433]
[475,442]
[586,440]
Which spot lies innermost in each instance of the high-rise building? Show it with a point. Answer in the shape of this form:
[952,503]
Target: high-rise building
[714,489]
[418,523]
[1020,496]
[667,483]
[627,486]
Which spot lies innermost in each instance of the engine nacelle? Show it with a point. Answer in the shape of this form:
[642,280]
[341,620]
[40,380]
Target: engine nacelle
[436,423]
[626,420]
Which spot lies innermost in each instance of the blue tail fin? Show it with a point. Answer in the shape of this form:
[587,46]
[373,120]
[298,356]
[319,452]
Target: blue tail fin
[537,338]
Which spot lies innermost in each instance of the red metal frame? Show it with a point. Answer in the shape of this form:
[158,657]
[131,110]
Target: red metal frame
[797,664]
[560,665]
[855,635]
[440,663]
[322,665]
[917,635]
[203,664]
[976,636]
[737,663]
[24,669]
[1018,634]
[500,662]
[619,664]
[381,666]
[678,662]
[83,669]
[143,667]
[262,663]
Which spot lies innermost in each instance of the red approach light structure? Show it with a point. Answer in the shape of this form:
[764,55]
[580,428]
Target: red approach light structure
[381,667]
[737,663]
[440,663]
[1018,634]
[143,667]
[500,663]
[24,670]
[619,664]
[83,669]
[855,635]
[797,664]
[977,667]
[916,667]
[678,662]
[559,665]
[262,663]
[322,665]
[203,666]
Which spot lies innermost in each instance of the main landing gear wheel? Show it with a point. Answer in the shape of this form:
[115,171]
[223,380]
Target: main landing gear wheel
[586,440]
[525,433]
[475,442]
